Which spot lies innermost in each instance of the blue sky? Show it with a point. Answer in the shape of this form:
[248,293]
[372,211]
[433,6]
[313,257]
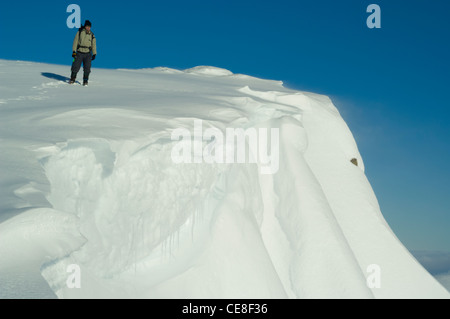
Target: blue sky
[390,84]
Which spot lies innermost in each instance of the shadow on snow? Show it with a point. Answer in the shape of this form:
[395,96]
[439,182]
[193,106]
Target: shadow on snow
[55,77]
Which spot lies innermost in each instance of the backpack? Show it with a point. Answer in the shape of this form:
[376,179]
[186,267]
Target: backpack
[79,38]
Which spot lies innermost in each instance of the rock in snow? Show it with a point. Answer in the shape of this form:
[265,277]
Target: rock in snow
[160,183]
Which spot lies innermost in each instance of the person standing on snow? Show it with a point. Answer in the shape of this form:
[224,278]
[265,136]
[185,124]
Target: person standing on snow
[84,51]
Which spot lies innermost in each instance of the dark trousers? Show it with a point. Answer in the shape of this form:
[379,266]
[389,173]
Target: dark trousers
[86,59]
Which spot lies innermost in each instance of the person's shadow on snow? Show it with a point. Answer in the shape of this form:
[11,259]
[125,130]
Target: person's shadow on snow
[55,77]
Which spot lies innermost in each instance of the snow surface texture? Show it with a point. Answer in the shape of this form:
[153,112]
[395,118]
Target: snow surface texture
[87,179]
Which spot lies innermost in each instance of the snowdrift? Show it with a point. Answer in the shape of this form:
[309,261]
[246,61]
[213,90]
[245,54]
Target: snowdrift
[88,179]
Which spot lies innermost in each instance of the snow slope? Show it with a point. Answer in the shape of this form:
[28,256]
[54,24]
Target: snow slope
[87,179]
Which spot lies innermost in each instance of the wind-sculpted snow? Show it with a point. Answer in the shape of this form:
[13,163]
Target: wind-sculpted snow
[89,182]
[129,207]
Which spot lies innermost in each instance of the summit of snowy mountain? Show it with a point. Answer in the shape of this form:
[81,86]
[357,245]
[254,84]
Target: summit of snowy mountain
[209,71]
[161,183]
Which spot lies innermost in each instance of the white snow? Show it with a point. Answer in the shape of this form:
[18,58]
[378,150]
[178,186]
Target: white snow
[87,179]
[444,279]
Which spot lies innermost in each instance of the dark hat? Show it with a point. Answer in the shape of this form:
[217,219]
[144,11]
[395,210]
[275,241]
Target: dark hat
[88,23]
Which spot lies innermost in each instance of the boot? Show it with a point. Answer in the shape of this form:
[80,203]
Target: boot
[72,78]
[85,82]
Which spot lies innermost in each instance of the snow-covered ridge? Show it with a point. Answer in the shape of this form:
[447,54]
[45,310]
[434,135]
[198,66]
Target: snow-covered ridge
[209,71]
[91,173]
